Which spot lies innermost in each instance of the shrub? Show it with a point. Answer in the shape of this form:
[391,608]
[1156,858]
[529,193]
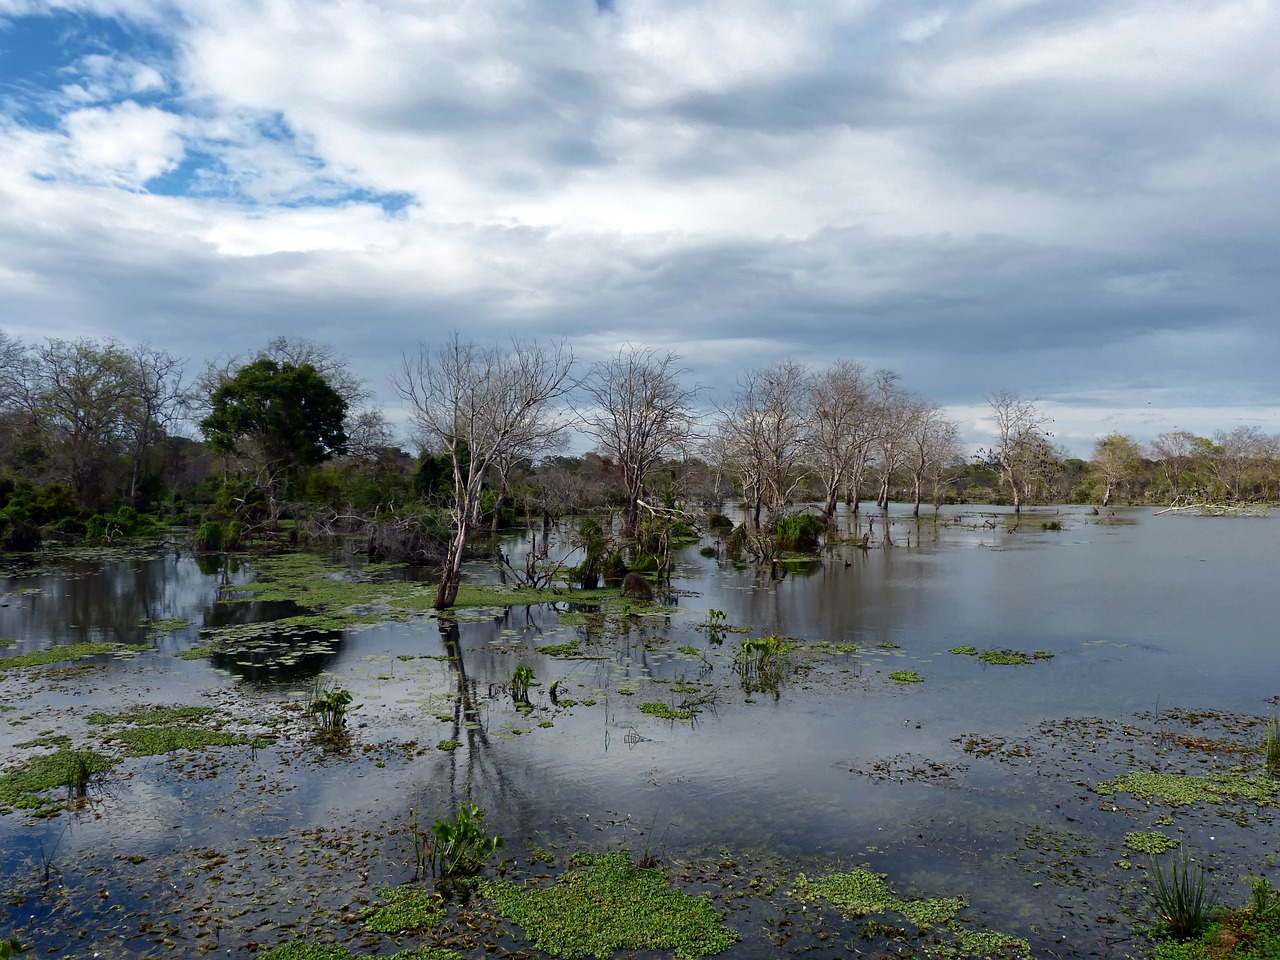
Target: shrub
[799,533]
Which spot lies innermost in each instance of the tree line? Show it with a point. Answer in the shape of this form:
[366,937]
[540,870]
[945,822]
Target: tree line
[94,435]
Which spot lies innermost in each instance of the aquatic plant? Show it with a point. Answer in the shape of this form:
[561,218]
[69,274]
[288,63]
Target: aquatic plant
[407,907]
[663,711]
[1150,843]
[761,657]
[520,681]
[302,950]
[1263,897]
[1181,896]
[11,947]
[1271,748]
[461,847]
[603,904]
[906,676]
[965,651]
[69,651]
[27,787]
[857,893]
[330,703]
[1178,789]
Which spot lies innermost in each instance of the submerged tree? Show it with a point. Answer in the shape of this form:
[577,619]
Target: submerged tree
[1020,446]
[1116,459]
[476,405]
[640,411]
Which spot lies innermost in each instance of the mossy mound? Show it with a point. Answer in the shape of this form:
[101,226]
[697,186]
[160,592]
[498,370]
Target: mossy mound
[604,904]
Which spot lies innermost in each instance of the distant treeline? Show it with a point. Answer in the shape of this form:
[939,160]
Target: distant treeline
[96,436]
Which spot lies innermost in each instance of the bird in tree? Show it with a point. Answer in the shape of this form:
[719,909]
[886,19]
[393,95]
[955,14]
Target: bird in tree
[282,415]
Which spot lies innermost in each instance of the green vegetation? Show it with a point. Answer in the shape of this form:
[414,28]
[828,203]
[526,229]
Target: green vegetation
[330,703]
[860,892]
[1271,748]
[1150,843]
[1179,789]
[69,652]
[906,676]
[603,904]
[520,680]
[407,907]
[301,950]
[448,746]
[11,947]
[1012,657]
[460,847]
[965,651]
[561,649]
[151,715]
[27,786]
[665,711]
[1181,897]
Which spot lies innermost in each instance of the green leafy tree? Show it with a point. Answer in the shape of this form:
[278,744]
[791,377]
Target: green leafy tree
[1116,459]
[280,415]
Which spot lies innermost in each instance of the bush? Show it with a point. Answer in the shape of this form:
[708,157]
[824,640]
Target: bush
[209,536]
[799,533]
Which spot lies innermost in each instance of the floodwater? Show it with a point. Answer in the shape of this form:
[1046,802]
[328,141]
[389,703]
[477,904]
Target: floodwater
[979,780]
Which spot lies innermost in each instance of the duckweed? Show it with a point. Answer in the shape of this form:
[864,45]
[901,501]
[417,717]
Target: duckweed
[666,712]
[68,652]
[1179,789]
[27,786]
[407,908]
[861,892]
[1151,843]
[604,904]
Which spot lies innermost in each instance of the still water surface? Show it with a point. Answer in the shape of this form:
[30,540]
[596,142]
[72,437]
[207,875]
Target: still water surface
[1150,622]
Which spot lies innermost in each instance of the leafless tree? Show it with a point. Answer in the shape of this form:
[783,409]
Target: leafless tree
[932,444]
[767,431]
[1175,451]
[1235,454]
[80,392]
[159,399]
[842,426]
[1020,442]
[639,412]
[474,403]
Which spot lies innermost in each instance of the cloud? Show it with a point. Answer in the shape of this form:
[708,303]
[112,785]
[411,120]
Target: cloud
[1067,200]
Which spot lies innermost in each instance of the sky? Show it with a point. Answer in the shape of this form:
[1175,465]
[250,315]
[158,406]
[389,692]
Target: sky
[1074,200]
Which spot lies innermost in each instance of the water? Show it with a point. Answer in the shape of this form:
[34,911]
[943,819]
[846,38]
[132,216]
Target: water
[1161,623]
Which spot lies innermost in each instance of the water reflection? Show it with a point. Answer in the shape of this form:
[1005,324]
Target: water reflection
[832,760]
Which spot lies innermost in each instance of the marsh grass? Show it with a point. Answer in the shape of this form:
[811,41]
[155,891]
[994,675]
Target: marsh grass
[1183,901]
[1271,748]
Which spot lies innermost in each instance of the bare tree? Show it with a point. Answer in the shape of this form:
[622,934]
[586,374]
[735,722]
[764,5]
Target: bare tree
[639,412]
[932,443]
[842,427]
[1175,451]
[80,392]
[1235,454]
[1020,442]
[767,431]
[159,400]
[474,403]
